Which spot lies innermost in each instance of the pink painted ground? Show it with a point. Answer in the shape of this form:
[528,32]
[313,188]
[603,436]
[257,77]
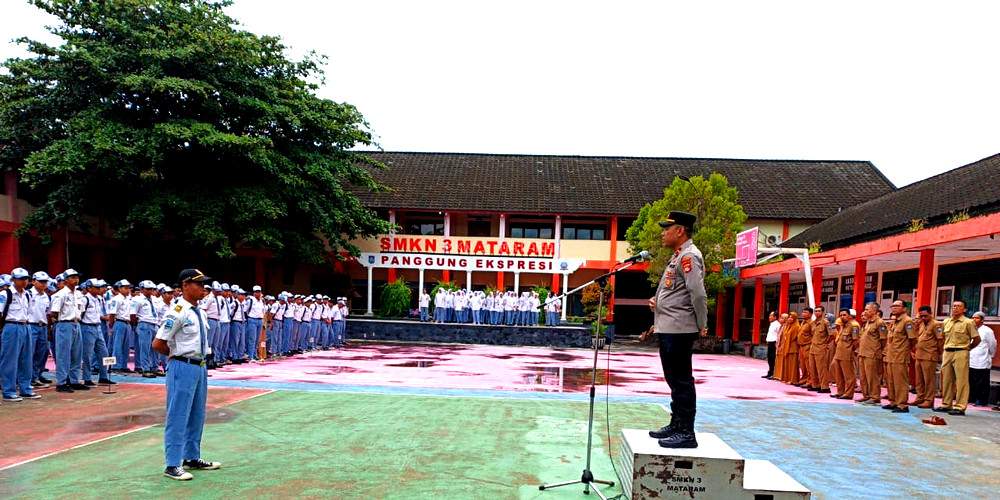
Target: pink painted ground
[476,367]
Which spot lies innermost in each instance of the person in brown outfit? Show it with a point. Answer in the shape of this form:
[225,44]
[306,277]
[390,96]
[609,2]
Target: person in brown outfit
[927,355]
[960,335]
[873,335]
[791,372]
[847,341]
[805,340]
[782,349]
[819,353]
[900,341]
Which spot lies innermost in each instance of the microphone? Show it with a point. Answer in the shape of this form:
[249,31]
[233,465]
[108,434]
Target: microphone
[643,255]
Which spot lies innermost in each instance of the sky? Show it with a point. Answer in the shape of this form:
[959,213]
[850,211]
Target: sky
[907,85]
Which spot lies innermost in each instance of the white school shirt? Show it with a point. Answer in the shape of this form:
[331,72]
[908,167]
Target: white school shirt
[38,309]
[981,356]
[19,309]
[256,310]
[145,311]
[66,303]
[91,309]
[425,300]
[772,332]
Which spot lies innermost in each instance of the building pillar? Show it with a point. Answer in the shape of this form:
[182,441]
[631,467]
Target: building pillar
[500,280]
[737,309]
[57,252]
[614,262]
[565,283]
[517,282]
[860,269]
[260,272]
[558,234]
[758,308]
[391,275]
[555,283]
[783,294]
[420,282]
[503,227]
[817,275]
[369,312]
[925,279]
[446,273]
[720,322]
[468,281]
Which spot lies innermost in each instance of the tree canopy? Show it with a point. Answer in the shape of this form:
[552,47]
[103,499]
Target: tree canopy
[166,120]
[720,217]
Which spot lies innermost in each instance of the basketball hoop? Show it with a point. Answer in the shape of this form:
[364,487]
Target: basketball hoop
[748,251]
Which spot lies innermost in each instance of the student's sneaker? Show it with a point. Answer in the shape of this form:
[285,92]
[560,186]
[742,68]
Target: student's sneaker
[31,395]
[107,381]
[200,464]
[64,388]
[79,387]
[12,399]
[178,473]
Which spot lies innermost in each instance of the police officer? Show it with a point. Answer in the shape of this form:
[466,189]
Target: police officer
[680,314]
[183,337]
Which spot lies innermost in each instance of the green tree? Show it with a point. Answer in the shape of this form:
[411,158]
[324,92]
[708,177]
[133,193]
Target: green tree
[166,120]
[720,217]
[395,299]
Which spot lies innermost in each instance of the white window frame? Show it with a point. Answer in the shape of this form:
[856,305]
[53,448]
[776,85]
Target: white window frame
[937,306]
[982,295]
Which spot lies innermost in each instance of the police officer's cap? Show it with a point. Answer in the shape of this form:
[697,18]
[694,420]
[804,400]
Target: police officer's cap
[194,275]
[680,218]
[20,273]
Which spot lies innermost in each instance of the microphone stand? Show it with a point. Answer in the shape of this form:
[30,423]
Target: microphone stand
[587,479]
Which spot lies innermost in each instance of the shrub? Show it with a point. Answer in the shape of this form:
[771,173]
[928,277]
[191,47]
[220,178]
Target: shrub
[395,299]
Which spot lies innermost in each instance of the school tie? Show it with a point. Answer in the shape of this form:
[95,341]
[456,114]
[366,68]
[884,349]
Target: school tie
[201,332]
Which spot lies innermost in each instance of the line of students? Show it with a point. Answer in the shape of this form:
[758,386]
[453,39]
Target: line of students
[80,324]
[480,308]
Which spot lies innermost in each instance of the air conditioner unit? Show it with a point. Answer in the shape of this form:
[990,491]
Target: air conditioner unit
[773,241]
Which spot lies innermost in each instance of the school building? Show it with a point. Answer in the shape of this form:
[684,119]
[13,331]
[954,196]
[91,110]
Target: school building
[928,243]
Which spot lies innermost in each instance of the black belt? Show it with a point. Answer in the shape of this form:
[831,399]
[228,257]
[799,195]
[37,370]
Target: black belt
[953,349]
[190,361]
[90,324]
[17,322]
[67,321]
[238,321]
[38,324]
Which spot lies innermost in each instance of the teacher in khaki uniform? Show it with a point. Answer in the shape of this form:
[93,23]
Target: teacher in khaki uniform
[960,335]
[183,337]
[680,314]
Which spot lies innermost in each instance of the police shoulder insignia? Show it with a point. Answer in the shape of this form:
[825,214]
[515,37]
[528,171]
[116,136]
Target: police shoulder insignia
[178,308]
[686,263]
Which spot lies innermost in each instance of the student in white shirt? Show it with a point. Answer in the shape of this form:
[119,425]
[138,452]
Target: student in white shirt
[772,343]
[981,362]
[64,312]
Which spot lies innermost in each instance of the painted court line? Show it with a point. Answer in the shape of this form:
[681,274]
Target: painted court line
[120,434]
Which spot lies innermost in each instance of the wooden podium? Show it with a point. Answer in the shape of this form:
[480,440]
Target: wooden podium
[712,470]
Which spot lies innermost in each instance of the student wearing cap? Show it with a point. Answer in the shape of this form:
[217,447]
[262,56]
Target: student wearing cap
[38,325]
[146,325]
[15,339]
[276,318]
[341,321]
[221,346]
[64,311]
[210,305]
[291,328]
[183,337]
[90,333]
[255,321]
[120,317]
[680,315]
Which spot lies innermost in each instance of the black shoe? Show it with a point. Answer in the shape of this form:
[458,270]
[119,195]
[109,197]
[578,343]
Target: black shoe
[33,395]
[901,410]
[44,380]
[824,391]
[812,389]
[79,387]
[107,381]
[64,388]
[956,412]
[178,473]
[200,464]
[942,409]
[681,439]
[663,432]
[766,376]
[89,383]
[889,407]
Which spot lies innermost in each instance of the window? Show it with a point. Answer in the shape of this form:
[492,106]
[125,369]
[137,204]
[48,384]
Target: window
[541,230]
[990,299]
[584,232]
[422,224]
[945,296]
[479,226]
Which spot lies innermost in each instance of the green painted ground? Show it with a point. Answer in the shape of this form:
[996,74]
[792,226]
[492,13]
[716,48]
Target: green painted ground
[308,444]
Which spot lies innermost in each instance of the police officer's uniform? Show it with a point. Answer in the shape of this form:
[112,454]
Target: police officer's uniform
[681,313]
[185,330]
